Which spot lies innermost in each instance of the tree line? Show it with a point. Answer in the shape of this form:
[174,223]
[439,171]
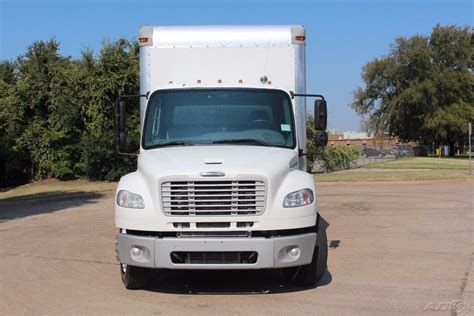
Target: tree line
[56,113]
[423,89]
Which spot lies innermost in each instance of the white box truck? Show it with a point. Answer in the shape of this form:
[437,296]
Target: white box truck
[221,180]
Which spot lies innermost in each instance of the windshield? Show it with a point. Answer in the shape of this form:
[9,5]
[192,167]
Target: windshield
[260,117]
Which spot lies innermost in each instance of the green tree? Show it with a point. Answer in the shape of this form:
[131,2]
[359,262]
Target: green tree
[339,157]
[423,90]
[311,148]
[25,109]
[51,120]
[11,165]
[114,73]
[330,158]
[56,113]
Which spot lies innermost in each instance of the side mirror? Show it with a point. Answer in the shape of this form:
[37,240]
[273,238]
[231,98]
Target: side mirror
[120,124]
[320,115]
[320,138]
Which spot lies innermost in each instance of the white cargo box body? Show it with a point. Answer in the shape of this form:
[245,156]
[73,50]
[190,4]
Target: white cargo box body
[225,56]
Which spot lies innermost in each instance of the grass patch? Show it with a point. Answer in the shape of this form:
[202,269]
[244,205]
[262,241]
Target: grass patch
[51,187]
[421,163]
[361,175]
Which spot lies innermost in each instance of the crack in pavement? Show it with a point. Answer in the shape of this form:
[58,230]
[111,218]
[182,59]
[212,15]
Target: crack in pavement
[466,274]
[55,258]
[458,305]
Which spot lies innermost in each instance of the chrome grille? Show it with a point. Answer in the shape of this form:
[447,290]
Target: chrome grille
[213,198]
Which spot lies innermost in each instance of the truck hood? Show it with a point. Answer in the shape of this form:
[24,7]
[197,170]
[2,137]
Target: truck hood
[232,161]
[276,167]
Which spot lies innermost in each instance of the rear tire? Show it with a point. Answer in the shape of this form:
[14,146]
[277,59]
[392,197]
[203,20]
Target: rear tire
[311,274]
[134,278]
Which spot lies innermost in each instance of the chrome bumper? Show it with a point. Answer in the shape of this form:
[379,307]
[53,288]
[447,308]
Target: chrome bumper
[272,252]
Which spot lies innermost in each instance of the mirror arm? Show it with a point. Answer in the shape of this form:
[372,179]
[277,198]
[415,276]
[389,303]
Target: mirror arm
[293,95]
[146,95]
[311,153]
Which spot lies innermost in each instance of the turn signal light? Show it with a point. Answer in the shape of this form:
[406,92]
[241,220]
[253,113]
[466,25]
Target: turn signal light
[300,38]
[143,39]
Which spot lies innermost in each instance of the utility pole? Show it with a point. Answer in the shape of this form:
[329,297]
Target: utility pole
[470,146]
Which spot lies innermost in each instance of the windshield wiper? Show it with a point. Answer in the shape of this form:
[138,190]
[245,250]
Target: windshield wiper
[175,143]
[246,141]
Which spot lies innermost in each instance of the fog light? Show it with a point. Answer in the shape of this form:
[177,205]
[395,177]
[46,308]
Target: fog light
[136,252]
[294,252]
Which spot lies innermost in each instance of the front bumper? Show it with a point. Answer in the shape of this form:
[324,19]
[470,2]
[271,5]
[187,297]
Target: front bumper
[272,252]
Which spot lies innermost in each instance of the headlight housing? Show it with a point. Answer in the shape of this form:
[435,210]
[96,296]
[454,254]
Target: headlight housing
[299,198]
[129,199]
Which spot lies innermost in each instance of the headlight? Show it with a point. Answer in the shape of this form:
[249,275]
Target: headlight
[299,198]
[129,199]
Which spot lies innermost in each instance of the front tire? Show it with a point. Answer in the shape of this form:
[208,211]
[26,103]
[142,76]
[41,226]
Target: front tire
[134,278]
[311,274]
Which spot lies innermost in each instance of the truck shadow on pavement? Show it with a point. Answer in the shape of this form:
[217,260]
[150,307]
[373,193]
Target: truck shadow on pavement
[232,282]
[42,203]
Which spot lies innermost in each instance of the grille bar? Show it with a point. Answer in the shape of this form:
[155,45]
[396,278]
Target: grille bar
[213,198]
[230,184]
[171,193]
[180,189]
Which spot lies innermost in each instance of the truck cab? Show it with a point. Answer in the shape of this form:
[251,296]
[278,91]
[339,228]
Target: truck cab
[221,180]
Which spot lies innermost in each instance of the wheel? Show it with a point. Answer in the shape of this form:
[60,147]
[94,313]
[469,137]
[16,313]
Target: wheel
[310,274]
[134,278]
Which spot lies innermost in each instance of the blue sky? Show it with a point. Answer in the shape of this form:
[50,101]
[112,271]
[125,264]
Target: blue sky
[341,35]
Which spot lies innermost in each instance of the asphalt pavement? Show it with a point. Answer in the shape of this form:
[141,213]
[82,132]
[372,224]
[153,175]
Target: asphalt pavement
[395,248]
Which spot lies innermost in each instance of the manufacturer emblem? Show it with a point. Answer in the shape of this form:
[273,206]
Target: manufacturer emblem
[212,174]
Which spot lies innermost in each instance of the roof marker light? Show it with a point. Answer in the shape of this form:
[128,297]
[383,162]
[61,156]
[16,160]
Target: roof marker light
[170,82]
[219,81]
[199,81]
[241,81]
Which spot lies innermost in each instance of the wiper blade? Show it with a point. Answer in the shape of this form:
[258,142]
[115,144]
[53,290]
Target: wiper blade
[246,141]
[176,143]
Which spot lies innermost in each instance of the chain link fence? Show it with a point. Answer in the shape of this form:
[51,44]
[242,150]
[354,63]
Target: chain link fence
[377,154]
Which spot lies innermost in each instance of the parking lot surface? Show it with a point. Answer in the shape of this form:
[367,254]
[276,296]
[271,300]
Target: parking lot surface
[394,248]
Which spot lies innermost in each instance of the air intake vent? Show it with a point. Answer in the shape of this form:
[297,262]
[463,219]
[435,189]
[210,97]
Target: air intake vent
[212,225]
[222,257]
[293,163]
[213,198]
